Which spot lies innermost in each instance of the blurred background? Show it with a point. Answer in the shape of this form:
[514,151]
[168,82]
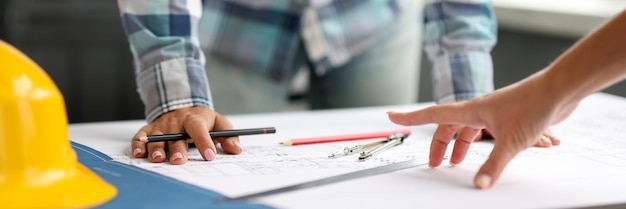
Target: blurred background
[81,45]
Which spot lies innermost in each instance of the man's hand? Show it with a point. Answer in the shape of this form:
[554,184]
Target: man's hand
[195,121]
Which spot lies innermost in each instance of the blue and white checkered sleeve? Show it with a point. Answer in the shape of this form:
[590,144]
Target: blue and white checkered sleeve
[169,64]
[458,38]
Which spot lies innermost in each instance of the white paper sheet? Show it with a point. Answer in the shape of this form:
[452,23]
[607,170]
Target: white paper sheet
[588,169]
[266,164]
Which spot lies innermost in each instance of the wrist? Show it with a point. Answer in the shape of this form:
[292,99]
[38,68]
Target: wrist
[561,87]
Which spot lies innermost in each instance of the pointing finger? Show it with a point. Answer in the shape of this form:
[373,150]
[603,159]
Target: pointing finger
[454,113]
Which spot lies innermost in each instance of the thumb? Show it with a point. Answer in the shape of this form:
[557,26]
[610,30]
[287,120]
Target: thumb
[503,152]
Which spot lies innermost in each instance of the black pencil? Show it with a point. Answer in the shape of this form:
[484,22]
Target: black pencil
[223,133]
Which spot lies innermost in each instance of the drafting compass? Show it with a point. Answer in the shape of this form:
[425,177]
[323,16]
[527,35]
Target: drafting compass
[374,147]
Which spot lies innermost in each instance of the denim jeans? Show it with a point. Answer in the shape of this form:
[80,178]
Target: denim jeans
[385,74]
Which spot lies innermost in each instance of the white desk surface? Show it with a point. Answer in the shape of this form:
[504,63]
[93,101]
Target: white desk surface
[587,170]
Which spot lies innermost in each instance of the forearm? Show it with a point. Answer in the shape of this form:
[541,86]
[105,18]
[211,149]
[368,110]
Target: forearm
[169,64]
[594,63]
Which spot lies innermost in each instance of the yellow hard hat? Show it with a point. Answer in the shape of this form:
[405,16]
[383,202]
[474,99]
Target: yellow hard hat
[38,167]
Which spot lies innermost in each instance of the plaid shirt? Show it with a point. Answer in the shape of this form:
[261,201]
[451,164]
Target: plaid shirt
[263,36]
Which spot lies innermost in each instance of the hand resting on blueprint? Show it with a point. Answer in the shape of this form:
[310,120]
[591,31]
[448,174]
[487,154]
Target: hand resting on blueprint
[195,121]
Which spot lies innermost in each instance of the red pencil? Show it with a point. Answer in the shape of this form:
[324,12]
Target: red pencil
[323,139]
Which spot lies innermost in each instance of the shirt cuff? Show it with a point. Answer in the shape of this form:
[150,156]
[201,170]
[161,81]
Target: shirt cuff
[461,76]
[173,84]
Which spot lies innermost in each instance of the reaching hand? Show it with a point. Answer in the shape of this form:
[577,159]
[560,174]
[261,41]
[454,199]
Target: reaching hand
[195,121]
[516,116]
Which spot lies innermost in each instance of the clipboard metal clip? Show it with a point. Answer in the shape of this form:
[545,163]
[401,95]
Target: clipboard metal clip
[369,150]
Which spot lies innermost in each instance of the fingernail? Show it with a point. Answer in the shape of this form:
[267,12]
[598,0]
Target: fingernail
[156,154]
[545,142]
[209,154]
[136,152]
[555,140]
[236,143]
[483,181]
[452,164]
[176,156]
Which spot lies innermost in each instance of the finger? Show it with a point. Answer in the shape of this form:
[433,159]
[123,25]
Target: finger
[199,132]
[463,141]
[442,137]
[156,152]
[230,145]
[503,152]
[178,152]
[479,136]
[454,113]
[553,139]
[547,139]
[138,148]
[543,141]
[483,134]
